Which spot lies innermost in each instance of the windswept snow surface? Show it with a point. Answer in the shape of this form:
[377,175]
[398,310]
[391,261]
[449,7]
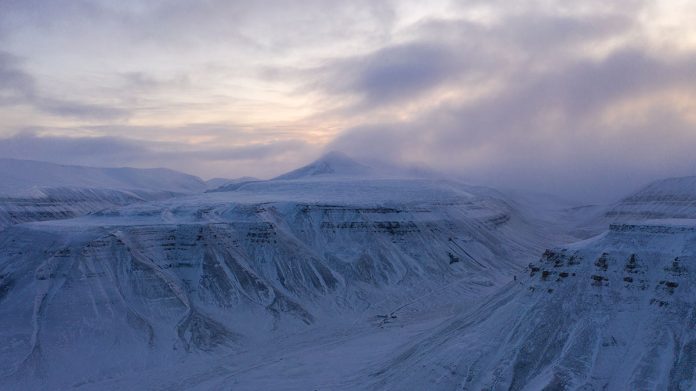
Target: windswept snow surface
[191,291]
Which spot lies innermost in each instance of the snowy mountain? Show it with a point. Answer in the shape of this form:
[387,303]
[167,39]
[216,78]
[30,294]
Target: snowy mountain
[667,198]
[35,191]
[215,183]
[220,273]
[612,313]
[672,198]
[339,276]
[332,166]
[22,177]
[333,163]
[62,203]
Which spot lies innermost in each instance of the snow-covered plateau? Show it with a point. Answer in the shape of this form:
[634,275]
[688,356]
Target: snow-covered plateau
[335,277]
[36,191]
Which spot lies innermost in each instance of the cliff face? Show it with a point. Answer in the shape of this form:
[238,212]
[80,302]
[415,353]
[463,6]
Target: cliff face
[667,198]
[64,203]
[615,312]
[161,281]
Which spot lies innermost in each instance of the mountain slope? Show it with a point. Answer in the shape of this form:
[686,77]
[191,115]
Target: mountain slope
[158,283]
[615,312]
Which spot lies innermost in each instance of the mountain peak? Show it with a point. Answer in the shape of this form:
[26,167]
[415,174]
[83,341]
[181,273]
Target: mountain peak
[332,163]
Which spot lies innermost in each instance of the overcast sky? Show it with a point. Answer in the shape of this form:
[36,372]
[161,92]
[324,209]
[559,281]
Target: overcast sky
[586,99]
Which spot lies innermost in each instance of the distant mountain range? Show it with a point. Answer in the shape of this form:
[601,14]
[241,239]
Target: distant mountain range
[36,191]
[24,177]
[340,276]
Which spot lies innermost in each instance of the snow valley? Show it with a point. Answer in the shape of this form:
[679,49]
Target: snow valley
[339,276]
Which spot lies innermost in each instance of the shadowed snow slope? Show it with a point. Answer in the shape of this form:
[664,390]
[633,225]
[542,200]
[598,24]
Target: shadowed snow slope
[158,283]
[616,312]
[35,191]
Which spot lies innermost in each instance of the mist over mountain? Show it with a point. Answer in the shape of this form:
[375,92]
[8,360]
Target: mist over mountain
[331,195]
[333,163]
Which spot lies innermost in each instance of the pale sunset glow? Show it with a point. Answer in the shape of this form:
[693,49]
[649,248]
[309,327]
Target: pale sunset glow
[489,91]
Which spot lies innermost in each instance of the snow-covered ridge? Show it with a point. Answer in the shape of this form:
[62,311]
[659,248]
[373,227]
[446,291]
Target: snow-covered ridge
[37,191]
[333,166]
[63,203]
[333,163]
[20,177]
[667,198]
[208,272]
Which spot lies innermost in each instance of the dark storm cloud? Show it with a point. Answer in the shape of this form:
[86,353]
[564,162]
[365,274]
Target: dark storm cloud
[586,86]
[575,94]
[451,52]
[546,130]
[395,73]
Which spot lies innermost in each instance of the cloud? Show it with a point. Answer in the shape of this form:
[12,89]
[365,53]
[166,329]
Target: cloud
[207,160]
[270,26]
[567,131]
[459,54]
[17,87]
[582,98]
[394,73]
[15,84]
